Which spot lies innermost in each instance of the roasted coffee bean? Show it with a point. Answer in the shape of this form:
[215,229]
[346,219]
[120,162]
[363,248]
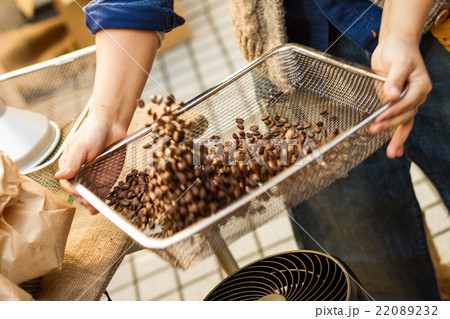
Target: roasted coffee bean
[288,125]
[261,150]
[254,128]
[240,126]
[332,116]
[135,202]
[170,99]
[241,133]
[266,136]
[124,202]
[256,133]
[306,125]
[264,118]
[283,120]
[124,186]
[235,136]
[365,114]
[291,134]
[277,117]
[319,123]
[311,134]
[296,123]
[140,103]
[323,112]
[268,122]
[178,136]
[239,121]
[317,129]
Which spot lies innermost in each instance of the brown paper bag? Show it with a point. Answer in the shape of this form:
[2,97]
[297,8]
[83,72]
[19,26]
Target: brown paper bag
[34,225]
[11,292]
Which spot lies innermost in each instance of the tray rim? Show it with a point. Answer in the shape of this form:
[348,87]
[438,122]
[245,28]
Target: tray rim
[166,242]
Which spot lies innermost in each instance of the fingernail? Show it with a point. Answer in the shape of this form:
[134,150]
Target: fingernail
[378,119]
[62,172]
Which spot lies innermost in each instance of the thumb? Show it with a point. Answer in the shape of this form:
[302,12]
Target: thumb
[69,164]
[398,74]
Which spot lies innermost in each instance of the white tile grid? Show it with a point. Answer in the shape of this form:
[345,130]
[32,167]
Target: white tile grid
[160,284]
[145,276]
[201,269]
[200,289]
[241,248]
[437,219]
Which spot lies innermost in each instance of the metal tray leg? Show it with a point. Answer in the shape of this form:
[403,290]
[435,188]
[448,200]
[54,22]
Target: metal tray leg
[223,254]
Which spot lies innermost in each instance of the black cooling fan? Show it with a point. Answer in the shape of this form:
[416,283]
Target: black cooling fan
[296,275]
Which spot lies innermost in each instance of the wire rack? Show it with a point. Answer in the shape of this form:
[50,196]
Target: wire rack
[291,81]
[59,89]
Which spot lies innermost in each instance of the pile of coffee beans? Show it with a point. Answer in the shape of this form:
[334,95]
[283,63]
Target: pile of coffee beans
[189,180]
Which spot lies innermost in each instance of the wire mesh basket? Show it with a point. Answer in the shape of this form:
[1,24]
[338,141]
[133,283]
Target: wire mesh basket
[59,89]
[291,81]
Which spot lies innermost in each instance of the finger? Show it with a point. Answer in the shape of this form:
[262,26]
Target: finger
[396,145]
[397,76]
[393,122]
[69,187]
[70,163]
[92,209]
[415,96]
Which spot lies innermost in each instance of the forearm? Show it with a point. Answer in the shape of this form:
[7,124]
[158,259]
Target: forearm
[404,18]
[124,59]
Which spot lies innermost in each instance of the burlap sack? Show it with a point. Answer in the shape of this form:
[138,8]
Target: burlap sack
[34,225]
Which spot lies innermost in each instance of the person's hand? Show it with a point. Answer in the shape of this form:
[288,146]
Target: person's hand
[124,59]
[93,136]
[400,59]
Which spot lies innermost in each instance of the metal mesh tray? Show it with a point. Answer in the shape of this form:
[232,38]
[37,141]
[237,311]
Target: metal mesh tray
[59,89]
[291,81]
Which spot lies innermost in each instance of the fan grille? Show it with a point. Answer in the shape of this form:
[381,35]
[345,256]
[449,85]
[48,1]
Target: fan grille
[294,276]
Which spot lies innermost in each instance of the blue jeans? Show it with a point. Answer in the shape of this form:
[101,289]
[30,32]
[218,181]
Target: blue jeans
[372,220]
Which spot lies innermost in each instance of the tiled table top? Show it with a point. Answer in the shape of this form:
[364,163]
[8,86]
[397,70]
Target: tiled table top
[187,70]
